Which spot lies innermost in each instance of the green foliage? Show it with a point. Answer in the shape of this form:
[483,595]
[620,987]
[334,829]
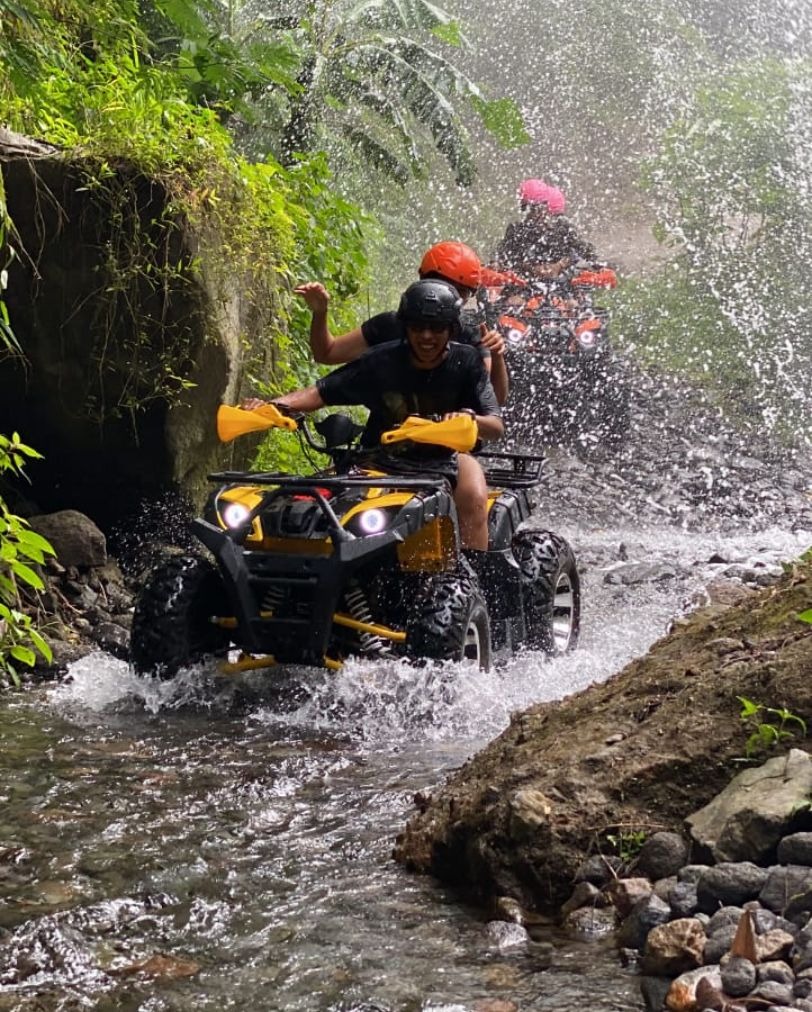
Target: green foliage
[806,616]
[7,254]
[109,100]
[731,177]
[21,550]
[627,843]
[770,725]
[502,118]
[221,64]
[371,83]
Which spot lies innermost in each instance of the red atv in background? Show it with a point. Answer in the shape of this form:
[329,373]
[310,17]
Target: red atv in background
[567,384]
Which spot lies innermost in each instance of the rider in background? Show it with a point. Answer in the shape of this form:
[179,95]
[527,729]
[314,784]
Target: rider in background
[452,262]
[544,243]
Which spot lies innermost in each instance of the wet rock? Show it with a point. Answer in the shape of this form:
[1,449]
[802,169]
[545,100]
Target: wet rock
[631,573]
[674,948]
[160,967]
[506,934]
[653,991]
[796,849]
[727,592]
[75,538]
[783,883]
[729,883]
[773,991]
[682,994]
[646,914]
[682,899]
[113,639]
[494,1005]
[591,922]
[748,818]
[777,970]
[738,976]
[661,855]
[508,909]
[583,895]
[598,870]
[626,892]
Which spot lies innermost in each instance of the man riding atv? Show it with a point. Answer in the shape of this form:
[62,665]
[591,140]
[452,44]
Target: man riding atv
[430,374]
[544,242]
[452,262]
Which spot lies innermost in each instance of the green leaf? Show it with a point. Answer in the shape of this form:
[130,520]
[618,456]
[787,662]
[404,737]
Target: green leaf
[36,541]
[806,616]
[41,644]
[502,118]
[27,575]
[749,708]
[24,654]
[449,33]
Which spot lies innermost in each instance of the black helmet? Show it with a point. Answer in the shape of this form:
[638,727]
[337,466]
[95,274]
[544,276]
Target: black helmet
[431,301]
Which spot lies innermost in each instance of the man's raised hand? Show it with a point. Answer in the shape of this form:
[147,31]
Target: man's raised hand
[315,295]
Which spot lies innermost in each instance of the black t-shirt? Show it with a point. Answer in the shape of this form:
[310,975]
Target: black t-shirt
[385,381]
[529,242]
[387,327]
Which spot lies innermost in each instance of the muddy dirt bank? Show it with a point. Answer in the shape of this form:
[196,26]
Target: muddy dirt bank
[633,755]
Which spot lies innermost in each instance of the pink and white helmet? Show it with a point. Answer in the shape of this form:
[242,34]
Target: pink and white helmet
[536,191]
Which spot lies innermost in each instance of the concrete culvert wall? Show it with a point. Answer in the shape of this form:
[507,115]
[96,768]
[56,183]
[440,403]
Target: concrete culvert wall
[131,341]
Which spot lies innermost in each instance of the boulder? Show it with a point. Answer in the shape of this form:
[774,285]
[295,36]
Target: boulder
[745,821]
[730,883]
[673,948]
[661,855]
[76,540]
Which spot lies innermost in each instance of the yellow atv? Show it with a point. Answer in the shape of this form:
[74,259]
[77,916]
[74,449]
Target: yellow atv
[354,562]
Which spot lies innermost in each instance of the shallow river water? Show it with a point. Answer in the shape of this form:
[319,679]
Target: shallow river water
[205,845]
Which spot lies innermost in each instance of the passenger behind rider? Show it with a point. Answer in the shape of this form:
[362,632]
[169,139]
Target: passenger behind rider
[452,262]
[428,373]
[544,243]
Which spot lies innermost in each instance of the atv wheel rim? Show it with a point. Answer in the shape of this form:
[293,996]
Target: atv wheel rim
[563,613]
[472,650]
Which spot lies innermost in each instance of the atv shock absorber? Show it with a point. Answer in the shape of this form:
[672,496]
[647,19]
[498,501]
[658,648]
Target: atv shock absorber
[274,596]
[358,607]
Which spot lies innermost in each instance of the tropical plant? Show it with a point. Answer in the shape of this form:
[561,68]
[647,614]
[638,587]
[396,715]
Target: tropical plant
[20,550]
[374,80]
[222,55]
[769,725]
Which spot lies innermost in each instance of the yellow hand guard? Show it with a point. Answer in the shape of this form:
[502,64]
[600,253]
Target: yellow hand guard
[458,433]
[233,422]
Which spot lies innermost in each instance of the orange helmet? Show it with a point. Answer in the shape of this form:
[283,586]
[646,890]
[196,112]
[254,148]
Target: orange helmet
[454,261]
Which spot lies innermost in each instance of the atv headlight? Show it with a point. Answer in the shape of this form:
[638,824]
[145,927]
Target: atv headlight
[235,514]
[373,521]
[587,339]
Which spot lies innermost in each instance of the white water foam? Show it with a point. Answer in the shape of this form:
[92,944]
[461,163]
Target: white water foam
[394,701]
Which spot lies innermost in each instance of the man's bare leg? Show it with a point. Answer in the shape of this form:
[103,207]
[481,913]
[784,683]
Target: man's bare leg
[471,498]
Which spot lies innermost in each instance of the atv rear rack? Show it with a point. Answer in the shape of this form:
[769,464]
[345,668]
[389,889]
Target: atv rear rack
[524,471]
